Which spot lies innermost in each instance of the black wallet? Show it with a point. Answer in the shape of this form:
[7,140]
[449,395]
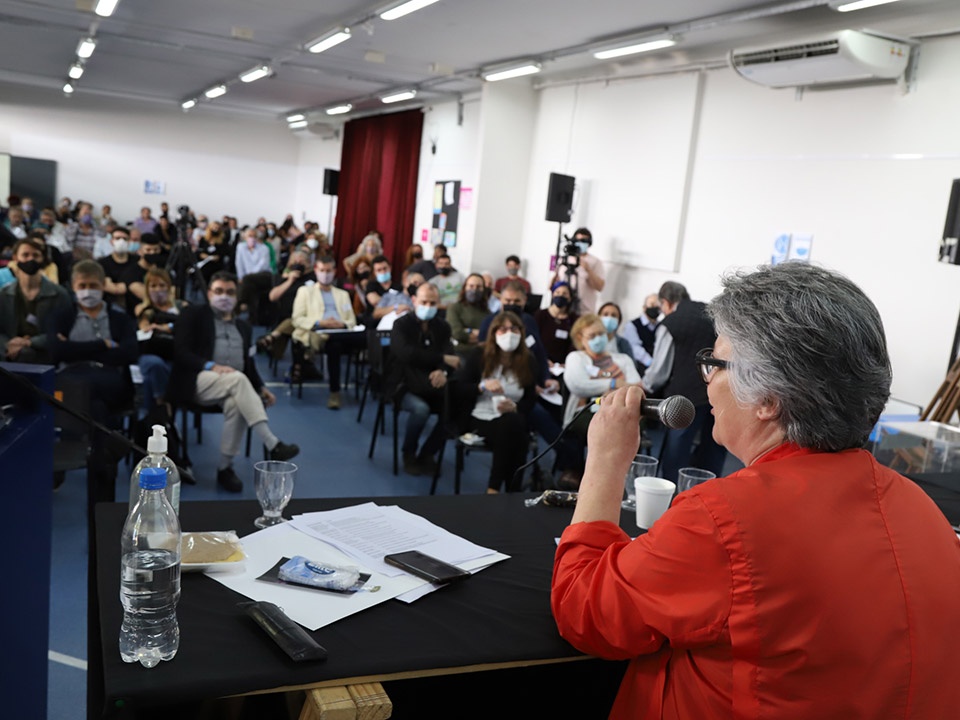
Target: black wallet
[292,638]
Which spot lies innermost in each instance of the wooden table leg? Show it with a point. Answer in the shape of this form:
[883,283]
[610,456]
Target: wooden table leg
[371,701]
[329,703]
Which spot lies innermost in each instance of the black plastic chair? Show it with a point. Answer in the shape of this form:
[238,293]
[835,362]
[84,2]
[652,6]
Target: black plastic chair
[378,351]
[198,412]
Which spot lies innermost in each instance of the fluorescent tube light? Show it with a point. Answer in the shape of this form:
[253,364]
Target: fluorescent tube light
[339,109]
[397,97]
[329,40]
[68,88]
[75,71]
[405,9]
[299,124]
[518,71]
[188,104]
[858,5]
[261,71]
[86,47]
[646,46]
[296,118]
[216,91]
[105,8]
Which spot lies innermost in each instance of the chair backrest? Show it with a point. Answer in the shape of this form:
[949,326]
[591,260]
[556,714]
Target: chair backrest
[378,349]
[533,304]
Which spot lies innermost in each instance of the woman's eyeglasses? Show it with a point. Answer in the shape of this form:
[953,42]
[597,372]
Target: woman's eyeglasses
[708,364]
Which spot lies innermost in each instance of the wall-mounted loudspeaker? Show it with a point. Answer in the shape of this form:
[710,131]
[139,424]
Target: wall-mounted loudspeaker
[950,244]
[560,198]
[331,179]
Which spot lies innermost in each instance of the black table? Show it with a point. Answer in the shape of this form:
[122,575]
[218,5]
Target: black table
[499,618]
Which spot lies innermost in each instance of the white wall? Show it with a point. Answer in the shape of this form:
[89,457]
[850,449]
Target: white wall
[316,155]
[216,163]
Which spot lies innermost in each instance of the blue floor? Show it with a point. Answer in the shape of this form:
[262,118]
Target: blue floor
[332,463]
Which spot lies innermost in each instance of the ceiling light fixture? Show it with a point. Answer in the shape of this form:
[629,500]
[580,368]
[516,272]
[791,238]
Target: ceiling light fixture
[845,6]
[635,47]
[75,71]
[216,91]
[512,72]
[399,96]
[189,104]
[261,71]
[339,109]
[331,39]
[86,47]
[298,125]
[105,8]
[398,11]
[68,88]
[296,118]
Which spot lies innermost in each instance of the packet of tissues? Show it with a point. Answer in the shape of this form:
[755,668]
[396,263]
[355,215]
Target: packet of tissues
[303,571]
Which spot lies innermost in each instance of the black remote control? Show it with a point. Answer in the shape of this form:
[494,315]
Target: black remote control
[292,638]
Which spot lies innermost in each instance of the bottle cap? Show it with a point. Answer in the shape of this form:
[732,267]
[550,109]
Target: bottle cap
[152,478]
[157,443]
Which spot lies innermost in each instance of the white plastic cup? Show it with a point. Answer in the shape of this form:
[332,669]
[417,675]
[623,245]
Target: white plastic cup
[497,399]
[653,499]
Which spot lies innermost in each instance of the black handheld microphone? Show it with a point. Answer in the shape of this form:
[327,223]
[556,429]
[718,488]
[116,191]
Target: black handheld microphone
[675,412]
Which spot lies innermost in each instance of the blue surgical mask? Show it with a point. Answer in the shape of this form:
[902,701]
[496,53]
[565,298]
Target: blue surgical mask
[609,323]
[597,344]
[583,247]
[426,312]
[383,278]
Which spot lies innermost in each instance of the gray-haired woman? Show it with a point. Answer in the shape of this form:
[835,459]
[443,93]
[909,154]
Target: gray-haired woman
[813,582]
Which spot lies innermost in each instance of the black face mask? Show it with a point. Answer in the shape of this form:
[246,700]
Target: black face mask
[412,290]
[418,257]
[363,275]
[561,301]
[300,267]
[30,267]
[445,270]
[653,312]
[515,309]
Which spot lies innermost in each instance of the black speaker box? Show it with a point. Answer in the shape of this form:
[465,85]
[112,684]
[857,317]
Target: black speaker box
[331,179]
[951,228]
[560,198]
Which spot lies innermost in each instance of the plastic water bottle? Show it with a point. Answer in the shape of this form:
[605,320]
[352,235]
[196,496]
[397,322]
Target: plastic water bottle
[150,575]
[156,457]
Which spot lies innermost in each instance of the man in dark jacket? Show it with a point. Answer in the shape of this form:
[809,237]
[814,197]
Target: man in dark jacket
[421,356]
[213,365]
[684,331]
[95,344]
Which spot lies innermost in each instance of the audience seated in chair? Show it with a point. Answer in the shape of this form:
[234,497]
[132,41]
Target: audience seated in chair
[213,365]
[611,316]
[157,315]
[370,247]
[319,307]
[497,385]
[448,281]
[382,287]
[124,275]
[467,314]
[295,275]
[421,355]
[555,323]
[96,344]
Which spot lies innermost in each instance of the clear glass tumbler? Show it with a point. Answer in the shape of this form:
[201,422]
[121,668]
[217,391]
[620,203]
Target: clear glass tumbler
[273,481]
[642,466]
[689,477]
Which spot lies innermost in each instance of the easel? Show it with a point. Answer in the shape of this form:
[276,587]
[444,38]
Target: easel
[941,409]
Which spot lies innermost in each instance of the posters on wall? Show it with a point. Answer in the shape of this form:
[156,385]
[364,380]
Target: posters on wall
[446,210]
[791,246]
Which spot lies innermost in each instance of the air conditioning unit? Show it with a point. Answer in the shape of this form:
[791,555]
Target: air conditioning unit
[846,57]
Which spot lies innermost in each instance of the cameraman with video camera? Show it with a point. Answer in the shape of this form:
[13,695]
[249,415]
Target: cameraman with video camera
[584,272]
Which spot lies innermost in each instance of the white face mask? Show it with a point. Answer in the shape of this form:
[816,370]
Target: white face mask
[508,341]
[312,244]
[121,247]
[325,278]
[89,298]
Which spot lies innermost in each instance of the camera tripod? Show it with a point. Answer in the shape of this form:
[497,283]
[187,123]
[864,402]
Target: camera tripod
[182,266]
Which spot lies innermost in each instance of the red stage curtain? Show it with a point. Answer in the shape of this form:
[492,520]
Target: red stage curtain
[379,165]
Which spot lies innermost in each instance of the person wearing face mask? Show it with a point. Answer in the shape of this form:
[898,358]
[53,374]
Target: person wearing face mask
[428,267]
[396,300]
[611,316]
[26,305]
[82,234]
[379,285]
[213,365]
[448,281]
[30,211]
[157,315]
[555,323]
[413,255]
[513,273]
[467,314]
[590,275]
[94,345]
[421,356]
[213,251]
[590,371]
[641,332]
[146,223]
[358,277]
[498,387]
[281,296]
[370,247]
[318,308]
[254,265]
[48,267]
[124,277]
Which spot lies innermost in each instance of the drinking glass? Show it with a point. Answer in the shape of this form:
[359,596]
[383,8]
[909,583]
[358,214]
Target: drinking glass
[689,477]
[273,481]
[642,466]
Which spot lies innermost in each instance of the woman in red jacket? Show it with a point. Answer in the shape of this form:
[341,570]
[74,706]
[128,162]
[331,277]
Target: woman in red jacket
[813,583]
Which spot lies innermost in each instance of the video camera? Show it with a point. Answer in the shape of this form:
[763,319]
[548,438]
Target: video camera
[570,256]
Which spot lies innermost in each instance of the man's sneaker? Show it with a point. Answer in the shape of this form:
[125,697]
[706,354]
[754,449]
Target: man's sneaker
[282,451]
[411,466]
[228,480]
[333,402]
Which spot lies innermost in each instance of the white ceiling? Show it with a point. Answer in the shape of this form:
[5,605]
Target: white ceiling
[167,51]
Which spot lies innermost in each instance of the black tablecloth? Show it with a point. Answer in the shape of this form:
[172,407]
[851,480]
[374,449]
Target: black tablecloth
[499,615]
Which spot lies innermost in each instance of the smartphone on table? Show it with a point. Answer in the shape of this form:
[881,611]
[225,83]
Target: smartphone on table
[426,567]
